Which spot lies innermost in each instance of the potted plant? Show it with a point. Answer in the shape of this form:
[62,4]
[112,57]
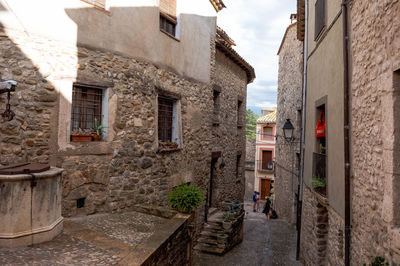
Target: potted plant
[81,136]
[227,222]
[185,198]
[98,130]
[319,185]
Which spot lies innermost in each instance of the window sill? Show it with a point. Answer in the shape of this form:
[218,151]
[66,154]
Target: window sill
[170,35]
[167,150]
[88,148]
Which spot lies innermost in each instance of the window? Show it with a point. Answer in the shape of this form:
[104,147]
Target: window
[267,132]
[238,157]
[168,24]
[216,101]
[319,17]
[165,117]
[239,114]
[168,122]
[87,105]
[319,179]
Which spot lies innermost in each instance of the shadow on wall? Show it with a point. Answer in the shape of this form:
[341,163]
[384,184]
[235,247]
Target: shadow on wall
[30,136]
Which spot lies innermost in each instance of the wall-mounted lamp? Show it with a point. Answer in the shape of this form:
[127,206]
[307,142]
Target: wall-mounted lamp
[288,129]
[8,87]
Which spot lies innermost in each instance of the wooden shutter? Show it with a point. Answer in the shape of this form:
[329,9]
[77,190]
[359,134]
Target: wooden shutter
[319,17]
[266,158]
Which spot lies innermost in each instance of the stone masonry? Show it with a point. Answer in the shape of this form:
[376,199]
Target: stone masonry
[289,107]
[375,48]
[128,167]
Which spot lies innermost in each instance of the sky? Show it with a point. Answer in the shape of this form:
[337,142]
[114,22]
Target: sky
[257,27]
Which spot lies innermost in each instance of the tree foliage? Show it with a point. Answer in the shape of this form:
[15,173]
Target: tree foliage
[251,124]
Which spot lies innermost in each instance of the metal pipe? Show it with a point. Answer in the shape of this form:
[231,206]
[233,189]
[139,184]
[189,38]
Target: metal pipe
[346,85]
[303,129]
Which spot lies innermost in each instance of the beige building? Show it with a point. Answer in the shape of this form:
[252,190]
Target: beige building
[265,153]
[322,231]
[148,72]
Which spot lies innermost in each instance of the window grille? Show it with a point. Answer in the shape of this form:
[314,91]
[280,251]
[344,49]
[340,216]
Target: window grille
[86,106]
[165,117]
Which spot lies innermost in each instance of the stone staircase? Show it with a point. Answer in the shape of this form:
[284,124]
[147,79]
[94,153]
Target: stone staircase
[215,238]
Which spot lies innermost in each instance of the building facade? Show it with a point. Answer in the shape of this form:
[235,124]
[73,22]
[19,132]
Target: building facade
[375,86]
[322,231]
[138,72]
[265,153]
[287,159]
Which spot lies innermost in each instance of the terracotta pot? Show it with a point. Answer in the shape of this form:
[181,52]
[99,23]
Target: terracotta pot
[96,137]
[81,138]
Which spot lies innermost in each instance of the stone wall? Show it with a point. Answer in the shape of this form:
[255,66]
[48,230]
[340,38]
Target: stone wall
[289,102]
[375,39]
[128,167]
[322,238]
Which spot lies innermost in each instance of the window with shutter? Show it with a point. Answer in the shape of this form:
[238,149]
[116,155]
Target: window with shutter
[320,14]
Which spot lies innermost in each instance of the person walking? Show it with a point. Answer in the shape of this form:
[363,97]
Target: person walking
[258,201]
[254,201]
[267,208]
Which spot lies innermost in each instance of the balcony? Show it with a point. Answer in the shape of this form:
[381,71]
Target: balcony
[319,183]
[264,166]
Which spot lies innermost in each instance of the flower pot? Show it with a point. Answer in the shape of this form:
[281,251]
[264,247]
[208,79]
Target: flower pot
[81,138]
[96,137]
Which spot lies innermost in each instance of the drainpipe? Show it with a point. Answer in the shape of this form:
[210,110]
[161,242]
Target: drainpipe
[347,221]
[303,130]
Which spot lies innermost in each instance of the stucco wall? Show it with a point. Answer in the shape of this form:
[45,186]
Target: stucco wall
[325,79]
[375,49]
[129,27]
[289,102]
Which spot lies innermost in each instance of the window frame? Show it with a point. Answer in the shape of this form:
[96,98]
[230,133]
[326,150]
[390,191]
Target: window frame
[319,18]
[176,129]
[165,20]
[103,116]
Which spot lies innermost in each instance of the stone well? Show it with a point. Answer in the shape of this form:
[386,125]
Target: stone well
[30,207]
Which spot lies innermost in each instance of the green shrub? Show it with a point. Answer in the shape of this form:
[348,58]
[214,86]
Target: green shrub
[379,261]
[185,198]
[318,182]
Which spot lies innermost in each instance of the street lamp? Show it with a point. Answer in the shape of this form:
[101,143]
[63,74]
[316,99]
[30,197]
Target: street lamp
[288,130]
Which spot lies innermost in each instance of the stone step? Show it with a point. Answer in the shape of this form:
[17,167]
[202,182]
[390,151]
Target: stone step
[208,241]
[211,211]
[210,249]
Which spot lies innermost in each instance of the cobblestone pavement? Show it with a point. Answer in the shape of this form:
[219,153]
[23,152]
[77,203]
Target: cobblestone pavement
[265,243]
[63,250]
[103,239]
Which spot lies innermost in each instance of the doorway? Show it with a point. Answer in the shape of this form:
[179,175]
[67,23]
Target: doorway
[265,188]
[211,185]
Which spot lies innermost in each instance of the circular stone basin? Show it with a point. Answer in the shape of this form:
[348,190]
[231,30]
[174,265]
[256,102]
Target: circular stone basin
[30,206]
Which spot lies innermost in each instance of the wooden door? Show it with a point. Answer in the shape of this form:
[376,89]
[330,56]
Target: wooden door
[266,159]
[265,188]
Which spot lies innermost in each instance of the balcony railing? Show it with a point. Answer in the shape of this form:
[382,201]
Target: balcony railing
[264,166]
[319,181]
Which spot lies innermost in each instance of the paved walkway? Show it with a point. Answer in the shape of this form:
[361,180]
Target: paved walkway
[265,243]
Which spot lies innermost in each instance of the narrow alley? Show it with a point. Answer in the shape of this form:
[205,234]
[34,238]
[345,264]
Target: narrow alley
[265,243]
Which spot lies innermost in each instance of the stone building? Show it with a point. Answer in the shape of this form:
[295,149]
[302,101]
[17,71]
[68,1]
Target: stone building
[142,71]
[322,225]
[375,86]
[374,83]
[287,158]
[249,167]
[265,153]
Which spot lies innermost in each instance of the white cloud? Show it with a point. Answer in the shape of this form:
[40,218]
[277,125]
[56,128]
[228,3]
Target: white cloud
[258,26]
